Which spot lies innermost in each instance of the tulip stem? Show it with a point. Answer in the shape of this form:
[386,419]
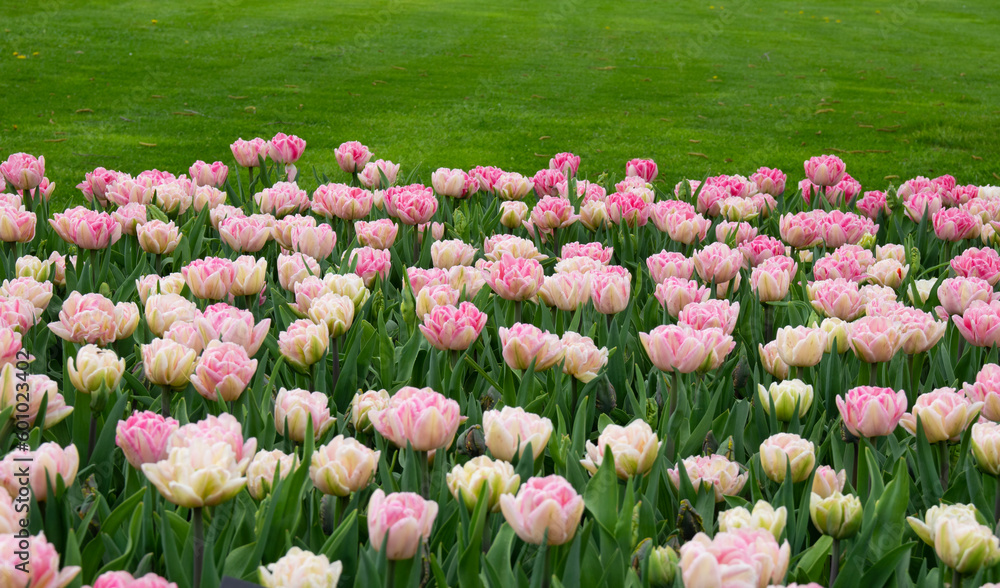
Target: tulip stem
[164,401]
[198,529]
[996,502]
[945,463]
[873,374]
[517,311]
[335,352]
[834,561]
[956,579]
[93,436]
[424,473]
[573,394]
[390,574]
[854,468]
[674,383]
[768,322]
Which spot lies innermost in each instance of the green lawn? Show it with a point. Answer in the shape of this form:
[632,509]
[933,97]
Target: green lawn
[902,88]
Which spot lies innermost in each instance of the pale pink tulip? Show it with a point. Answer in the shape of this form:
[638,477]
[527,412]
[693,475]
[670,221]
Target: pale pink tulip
[675,347]
[875,339]
[944,415]
[294,409]
[666,264]
[825,170]
[378,234]
[283,198]
[515,278]
[412,205]
[870,411]
[143,437]
[352,156]
[246,234]
[447,327]
[978,263]
[343,466]
[23,171]
[745,558]
[565,291]
[369,263]
[986,389]
[723,477]
[86,318]
[419,416]
[674,293]
[249,153]
[371,178]
[45,467]
[342,201]
[85,228]
[980,323]
[610,289]
[400,522]
[524,343]
[304,343]
[210,278]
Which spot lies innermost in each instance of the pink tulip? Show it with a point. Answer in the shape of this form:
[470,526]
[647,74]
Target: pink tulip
[209,174]
[281,229]
[838,298]
[666,264]
[875,339]
[143,437]
[565,291]
[129,217]
[45,466]
[717,263]
[162,311]
[595,251]
[156,178]
[223,369]
[33,561]
[24,396]
[850,262]
[187,334]
[825,170]
[304,343]
[371,178]
[802,230]
[544,509]
[719,314]
[488,177]
[760,248]
[453,328]
[10,346]
[378,234]
[17,313]
[523,344]
[210,278]
[610,289]
[567,163]
[419,416]
[710,200]
[594,215]
[581,265]
[719,474]
[826,480]
[957,294]
[955,224]
[29,289]
[412,205]
[454,183]
[451,253]
[16,225]
[771,360]
[738,558]
[642,168]
[980,323]
[342,201]
[86,318]
[552,212]
[959,195]
[96,184]
[919,204]
[86,228]
[546,182]
[943,413]
[513,214]
[23,171]
[582,358]
[369,262]
[770,181]
[674,293]
[718,344]
[801,346]
[840,228]
[208,197]
[869,411]
[352,156]
[281,199]
[497,246]
[174,197]
[515,279]
[675,347]
[508,432]
[736,233]
[986,389]
[124,580]
[627,208]
[248,153]
[978,263]
[401,521]
[245,234]
[918,331]
[317,242]
[772,278]
[294,409]
[342,466]
[872,203]
[158,237]
[285,149]
[436,230]
[293,268]
[512,186]
[212,430]
[224,211]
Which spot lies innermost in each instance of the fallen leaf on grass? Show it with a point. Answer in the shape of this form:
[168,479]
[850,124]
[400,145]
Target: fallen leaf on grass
[694,154]
[544,137]
[891,178]
[237,97]
[397,67]
[824,110]
[147,144]
[866,126]
[977,158]
[605,68]
[694,140]
[83,110]
[54,140]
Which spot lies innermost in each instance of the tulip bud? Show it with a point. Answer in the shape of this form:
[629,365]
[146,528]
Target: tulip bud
[662,567]
[986,447]
[779,451]
[837,515]
[764,516]
[467,482]
[95,367]
[786,396]
[301,568]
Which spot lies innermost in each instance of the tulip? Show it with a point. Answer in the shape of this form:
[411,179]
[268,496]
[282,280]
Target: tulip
[980,323]
[582,358]
[801,346]
[825,170]
[642,168]
[293,410]
[378,234]
[957,537]
[350,285]
[783,450]
[335,311]
[544,509]
[785,397]
[764,516]
[986,447]
[143,437]
[125,580]
[85,228]
[155,284]
[451,328]
[158,238]
[23,171]
[515,279]
[210,278]
[369,263]
[978,263]
[720,475]
[455,183]
[838,298]
[281,229]
[352,156]
[249,153]
[770,280]
[837,515]
[956,224]
[263,468]
[743,557]
[342,201]
[399,523]
[167,363]
[986,389]
[610,289]
[232,325]
[719,314]
[46,467]
[827,480]
[944,415]
[33,561]
[869,411]
[412,205]
[95,368]
[451,253]
[436,230]
[281,199]
[675,348]
[198,475]
[512,187]
[10,346]
[918,331]
[594,214]
[546,182]
[629,208]
[495,247]
[304,343]
[302,569]
[513,214]
[17,313]
[524,344]
[210,430]
[24,395]
[342,466]
[480,474]
[674,293]
[717,263]
[251,276]
[16,225]
[509,431]
[771,360]
[363,403]
[552,212]
[371,178]
[224,369]
[419,416]
[957,294]
[800,231]
[565,291]
[666,264]
[174,197]
[875,339]
[634,449]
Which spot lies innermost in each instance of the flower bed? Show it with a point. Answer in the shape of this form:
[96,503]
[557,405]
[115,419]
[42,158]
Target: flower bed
[497,379]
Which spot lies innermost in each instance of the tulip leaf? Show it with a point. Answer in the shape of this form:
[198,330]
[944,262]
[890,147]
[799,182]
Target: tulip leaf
[877,575]
[601,494]
[498,557]
[814,559]
[890,512]
[930,482]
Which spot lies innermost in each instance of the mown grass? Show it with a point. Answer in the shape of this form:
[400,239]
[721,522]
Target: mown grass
[896,88]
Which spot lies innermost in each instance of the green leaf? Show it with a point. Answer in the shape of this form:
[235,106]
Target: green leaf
[601,494]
